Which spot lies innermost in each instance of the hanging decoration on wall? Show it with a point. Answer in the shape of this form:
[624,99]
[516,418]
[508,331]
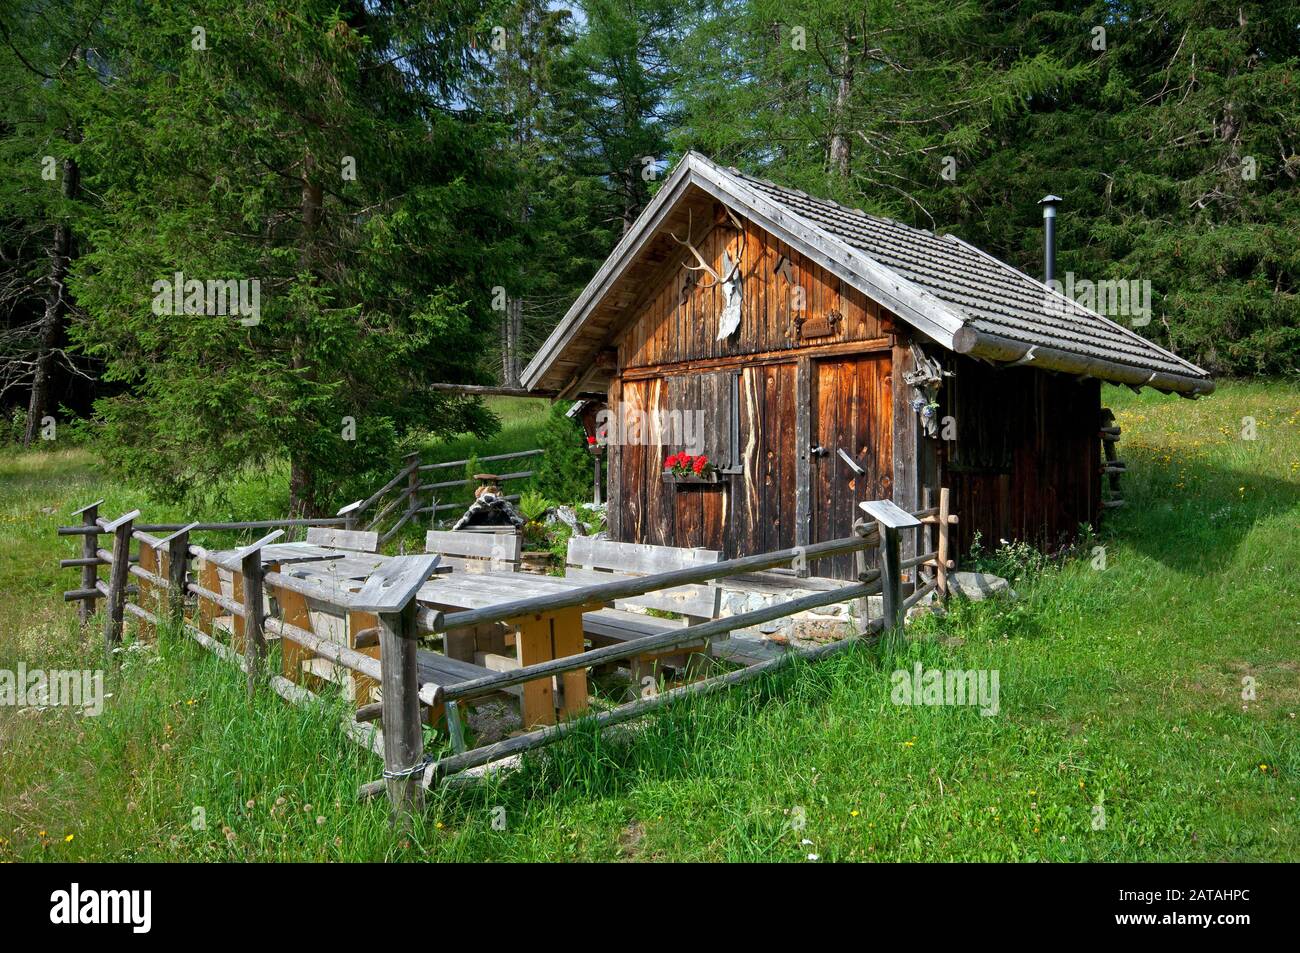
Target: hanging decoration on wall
[728,277]
[925,379]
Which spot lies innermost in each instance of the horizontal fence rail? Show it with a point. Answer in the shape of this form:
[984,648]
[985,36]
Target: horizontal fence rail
[209,527]
[478,757]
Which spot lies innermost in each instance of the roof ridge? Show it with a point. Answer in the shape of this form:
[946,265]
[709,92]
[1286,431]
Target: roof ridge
[850,209]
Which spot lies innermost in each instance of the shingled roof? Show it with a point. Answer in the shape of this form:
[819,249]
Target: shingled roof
[963,298]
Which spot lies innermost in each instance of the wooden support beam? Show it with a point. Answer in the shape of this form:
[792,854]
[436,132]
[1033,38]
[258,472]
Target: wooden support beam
[412,487]
[82,530]
[252,576]
[178,571]
[147,572]
[89,570]
[455,730]
[390,594]
[945,521]
[891,581]
[403,735]
[492,390]
[802,456]
[117,577]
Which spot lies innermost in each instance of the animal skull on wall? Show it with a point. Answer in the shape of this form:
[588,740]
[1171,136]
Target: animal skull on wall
[728,278]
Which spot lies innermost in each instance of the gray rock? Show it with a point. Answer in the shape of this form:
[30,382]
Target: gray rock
[820,630]
[978,586]
[567,516]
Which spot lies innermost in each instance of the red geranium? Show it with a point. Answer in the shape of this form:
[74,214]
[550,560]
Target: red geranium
[683,464]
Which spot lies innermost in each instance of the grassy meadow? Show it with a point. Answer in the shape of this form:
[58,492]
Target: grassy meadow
[1122,732]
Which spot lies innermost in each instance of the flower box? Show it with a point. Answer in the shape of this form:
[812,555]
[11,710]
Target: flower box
[671,476]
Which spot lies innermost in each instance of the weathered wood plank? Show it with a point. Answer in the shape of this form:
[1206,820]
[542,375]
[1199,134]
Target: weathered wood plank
[394,584]
[89,571]
[501,549]
[398,641]
[360,540]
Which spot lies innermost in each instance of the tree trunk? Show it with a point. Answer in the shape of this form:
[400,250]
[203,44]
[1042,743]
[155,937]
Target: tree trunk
[840,150]
[303,502]
[56,307]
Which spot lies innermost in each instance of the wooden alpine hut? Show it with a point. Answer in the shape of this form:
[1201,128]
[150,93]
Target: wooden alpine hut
[819,357]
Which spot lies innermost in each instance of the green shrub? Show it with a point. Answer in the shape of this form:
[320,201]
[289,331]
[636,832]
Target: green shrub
[565,470]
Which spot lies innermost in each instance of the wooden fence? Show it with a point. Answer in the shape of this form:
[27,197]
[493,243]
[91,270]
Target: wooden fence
[404,494]
[170,575]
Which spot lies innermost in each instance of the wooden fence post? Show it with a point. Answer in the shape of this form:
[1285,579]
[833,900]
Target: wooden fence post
[413,485]
[390,593]
[941,572]
[862,528]
[89,547]
[119,574]
[178,571]
[926,543]
[349,514]
[890,518]
[251,572]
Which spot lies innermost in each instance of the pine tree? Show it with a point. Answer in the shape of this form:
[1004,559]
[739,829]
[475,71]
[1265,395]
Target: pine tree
[321,152]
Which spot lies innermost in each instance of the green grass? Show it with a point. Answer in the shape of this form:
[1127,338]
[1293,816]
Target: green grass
[521,419]
[1120,687]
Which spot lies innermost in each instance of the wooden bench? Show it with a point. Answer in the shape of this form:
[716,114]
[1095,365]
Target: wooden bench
[353,539]
[476,552]
[593,561]
[441,670]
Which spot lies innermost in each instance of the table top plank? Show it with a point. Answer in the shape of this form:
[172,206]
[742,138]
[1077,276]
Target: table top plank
[481,590]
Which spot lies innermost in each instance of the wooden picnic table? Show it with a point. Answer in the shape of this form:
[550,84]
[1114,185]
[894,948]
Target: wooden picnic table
[538,637]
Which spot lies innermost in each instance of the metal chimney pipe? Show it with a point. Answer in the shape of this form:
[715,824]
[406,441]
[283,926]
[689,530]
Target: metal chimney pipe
[1049,204]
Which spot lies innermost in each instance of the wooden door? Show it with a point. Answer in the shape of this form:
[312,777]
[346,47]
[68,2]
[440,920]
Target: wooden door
[851,412]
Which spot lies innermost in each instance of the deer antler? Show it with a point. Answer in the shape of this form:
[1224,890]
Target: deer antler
[735,268]
[703,265]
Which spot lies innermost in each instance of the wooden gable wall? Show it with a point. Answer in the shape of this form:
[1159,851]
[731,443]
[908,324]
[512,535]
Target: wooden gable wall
[671,325]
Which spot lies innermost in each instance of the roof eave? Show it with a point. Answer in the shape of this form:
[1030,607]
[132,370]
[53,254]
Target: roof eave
[992,347]
[1068,304]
